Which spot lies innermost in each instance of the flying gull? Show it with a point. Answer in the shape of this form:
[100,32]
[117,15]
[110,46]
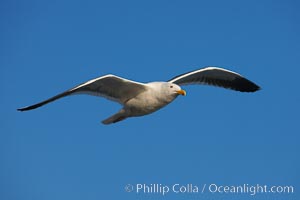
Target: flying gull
[140,99]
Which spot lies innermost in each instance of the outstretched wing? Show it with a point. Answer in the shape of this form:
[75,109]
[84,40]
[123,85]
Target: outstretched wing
[217,77]
[111,87]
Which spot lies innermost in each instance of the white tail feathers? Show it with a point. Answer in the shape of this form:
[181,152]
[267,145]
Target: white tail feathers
[115,118]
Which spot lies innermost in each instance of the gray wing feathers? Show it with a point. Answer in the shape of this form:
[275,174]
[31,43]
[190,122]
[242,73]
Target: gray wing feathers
[217,77]
[109,86]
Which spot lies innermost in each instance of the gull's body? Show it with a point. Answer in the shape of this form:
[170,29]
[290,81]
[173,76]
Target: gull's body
[144,98]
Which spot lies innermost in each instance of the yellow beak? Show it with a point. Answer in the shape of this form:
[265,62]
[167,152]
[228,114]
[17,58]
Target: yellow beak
[182,92]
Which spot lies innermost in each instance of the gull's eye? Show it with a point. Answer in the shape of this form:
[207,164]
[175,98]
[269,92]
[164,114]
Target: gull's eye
[171,86]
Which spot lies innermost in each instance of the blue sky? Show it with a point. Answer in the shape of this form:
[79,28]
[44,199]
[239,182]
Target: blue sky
[210,136]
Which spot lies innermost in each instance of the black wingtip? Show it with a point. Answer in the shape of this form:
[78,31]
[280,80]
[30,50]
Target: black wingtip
[244,85]
[258,88]
[22,109]
[32,107]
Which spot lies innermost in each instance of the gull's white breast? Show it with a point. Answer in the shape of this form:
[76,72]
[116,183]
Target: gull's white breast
[151,100]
